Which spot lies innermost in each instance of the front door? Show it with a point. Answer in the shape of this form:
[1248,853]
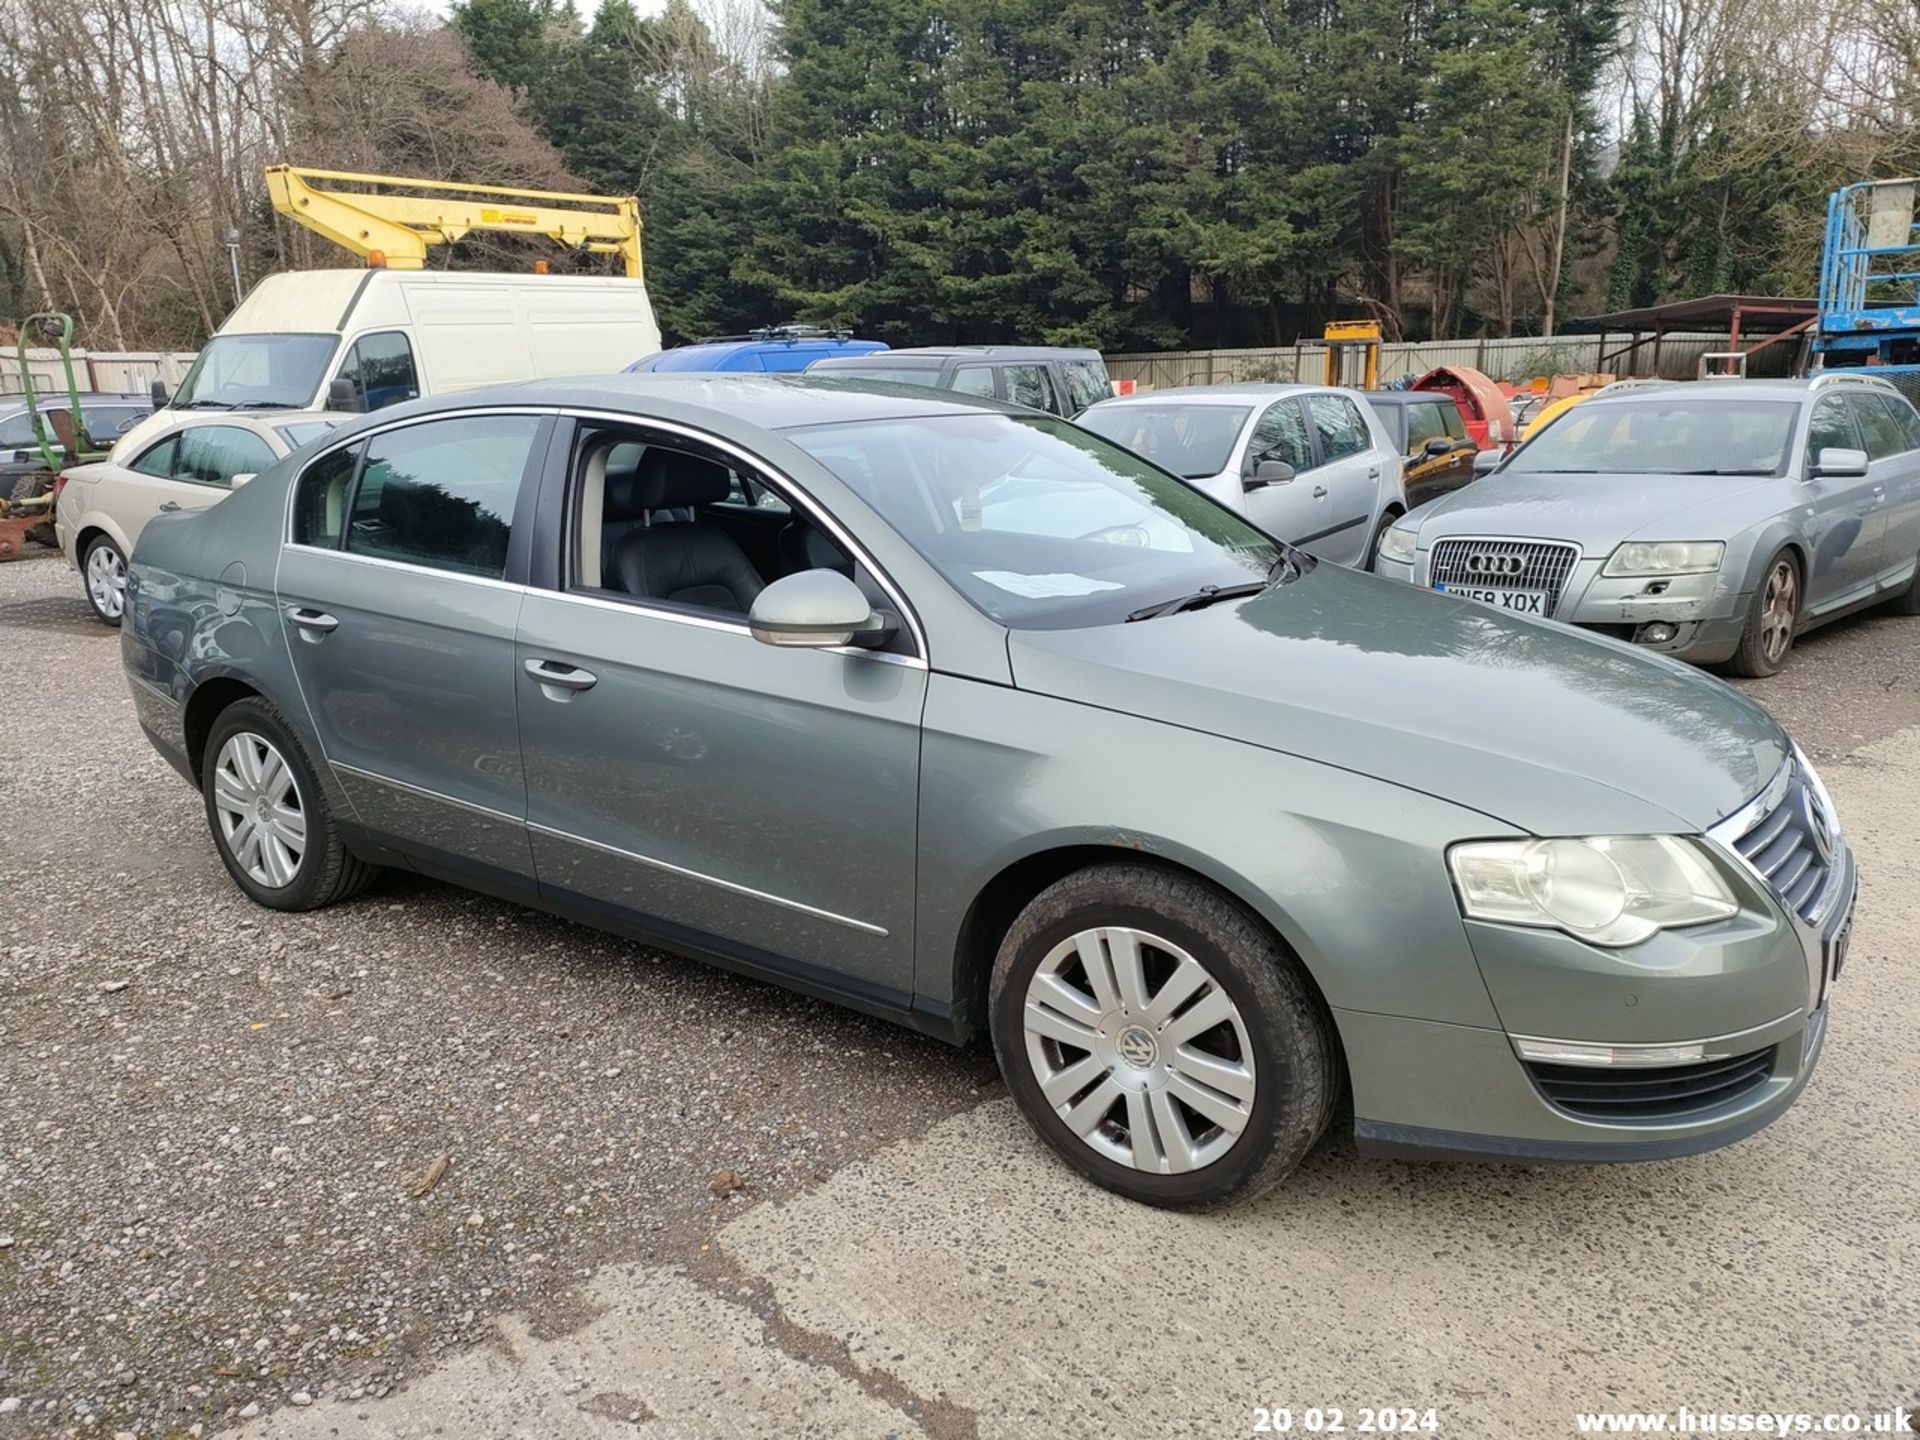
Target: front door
[189,470]
[1293,510]
[399,593]
[765,800]
[1845,528]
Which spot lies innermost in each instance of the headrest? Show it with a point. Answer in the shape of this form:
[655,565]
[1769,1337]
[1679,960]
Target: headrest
[621,498]
[670,479]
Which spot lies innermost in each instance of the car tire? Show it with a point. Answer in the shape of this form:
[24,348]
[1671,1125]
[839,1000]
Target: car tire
[1907,602]
[1118,1108]
[268,815]
[103,574]
[1764,648]
[1380,528]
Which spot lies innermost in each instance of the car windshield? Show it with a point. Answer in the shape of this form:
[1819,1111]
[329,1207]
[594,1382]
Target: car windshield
[1194,441]
[301,431]
[1040,524]
[256,372]
[1670,435]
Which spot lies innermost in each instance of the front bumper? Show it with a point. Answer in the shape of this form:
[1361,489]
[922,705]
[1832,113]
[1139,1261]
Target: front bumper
[1752,990]
[1707,612]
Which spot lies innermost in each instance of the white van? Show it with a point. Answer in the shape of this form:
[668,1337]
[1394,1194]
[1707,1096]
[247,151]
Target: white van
[397,334]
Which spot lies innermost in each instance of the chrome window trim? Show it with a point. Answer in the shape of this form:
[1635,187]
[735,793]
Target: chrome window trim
[639,604]
[808,505]
[408,566]
[864,926]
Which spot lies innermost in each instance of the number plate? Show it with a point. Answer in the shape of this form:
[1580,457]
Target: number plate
[1521,602]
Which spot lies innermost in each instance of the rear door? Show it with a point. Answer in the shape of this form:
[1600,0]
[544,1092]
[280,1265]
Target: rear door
[400,587]
[189,470]
[1293,510]
[1348,477]
[1902,548]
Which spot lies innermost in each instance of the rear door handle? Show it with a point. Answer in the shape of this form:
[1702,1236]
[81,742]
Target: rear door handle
[170,505]
[560,681]
[314,623]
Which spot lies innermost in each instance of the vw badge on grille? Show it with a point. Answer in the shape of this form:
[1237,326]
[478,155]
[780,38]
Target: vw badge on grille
[1819,825]
[1483,562]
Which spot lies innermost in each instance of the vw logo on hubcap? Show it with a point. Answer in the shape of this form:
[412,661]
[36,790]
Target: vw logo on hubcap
[1480,562]
[1137,1047]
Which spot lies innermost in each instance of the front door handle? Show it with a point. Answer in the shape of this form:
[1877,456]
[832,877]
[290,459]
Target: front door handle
[312,623]
[1319,492]
[559,680]
[171,505]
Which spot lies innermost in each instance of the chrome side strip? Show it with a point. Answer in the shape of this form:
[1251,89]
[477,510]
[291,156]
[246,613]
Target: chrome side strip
[864,926]
[379,562]
[639,605]
[1645,1053]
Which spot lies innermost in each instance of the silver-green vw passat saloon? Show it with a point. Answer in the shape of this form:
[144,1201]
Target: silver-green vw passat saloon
[966,717]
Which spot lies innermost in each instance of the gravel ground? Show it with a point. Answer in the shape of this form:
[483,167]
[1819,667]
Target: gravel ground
[214,1120]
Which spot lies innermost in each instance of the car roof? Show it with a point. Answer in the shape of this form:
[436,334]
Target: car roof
[1722,391]
[1407,397]
[931,354]
[1239,393]
[766,402]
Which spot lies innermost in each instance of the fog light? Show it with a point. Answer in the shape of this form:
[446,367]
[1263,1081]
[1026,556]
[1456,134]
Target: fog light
[1658,633]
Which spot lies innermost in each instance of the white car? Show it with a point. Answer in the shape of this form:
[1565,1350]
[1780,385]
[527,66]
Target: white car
[187,465]
[1311,464]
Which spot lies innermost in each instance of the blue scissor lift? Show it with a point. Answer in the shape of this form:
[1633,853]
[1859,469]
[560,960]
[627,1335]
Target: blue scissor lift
[1869,300]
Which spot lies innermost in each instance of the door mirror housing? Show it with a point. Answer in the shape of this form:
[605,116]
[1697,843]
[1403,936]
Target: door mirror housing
[342,394]
[1838,464]
[1439,445]
[1485,462]
[1268,472]
[816,610]
[158,390]
[237,481]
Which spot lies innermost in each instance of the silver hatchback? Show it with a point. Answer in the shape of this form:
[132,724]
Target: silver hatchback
[1712,522]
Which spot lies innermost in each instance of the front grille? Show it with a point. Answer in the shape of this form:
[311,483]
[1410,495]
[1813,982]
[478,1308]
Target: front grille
[1544,565]
[1791,846]
[1666,1092]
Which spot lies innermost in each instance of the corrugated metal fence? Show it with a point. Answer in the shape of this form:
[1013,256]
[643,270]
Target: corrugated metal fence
[1517,360]
[110,371]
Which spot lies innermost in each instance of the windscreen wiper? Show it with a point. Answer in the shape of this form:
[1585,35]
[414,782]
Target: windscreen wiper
[1204,596]
[204,405]
[265,405]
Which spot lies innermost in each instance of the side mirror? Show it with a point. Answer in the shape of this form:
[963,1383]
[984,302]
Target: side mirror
[158,391]
[816,609]
[1268,472]
[1440,445]
[237,481]
[342,394]
[1485,462]
[1838,464]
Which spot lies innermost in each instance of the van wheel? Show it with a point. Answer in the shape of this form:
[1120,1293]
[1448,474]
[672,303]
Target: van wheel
[1160,1039]
[269,818]
[1772,617]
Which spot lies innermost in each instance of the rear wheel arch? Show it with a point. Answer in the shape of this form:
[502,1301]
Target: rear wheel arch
[1001,900]
[204,706]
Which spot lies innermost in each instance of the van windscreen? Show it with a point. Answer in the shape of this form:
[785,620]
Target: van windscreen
[257,372]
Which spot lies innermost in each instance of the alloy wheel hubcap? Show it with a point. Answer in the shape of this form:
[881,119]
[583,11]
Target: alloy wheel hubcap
[258,805]
[107,580]
[1139,1050]
[1776,618]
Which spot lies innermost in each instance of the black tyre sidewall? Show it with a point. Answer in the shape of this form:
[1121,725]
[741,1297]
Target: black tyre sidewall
[260,718]
[1277,1064]
[86,589]
[1750,660]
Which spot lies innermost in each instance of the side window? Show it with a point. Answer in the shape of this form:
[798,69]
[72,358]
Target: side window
[214,454]
[1897,413]
[974,380]
[442,493]
[1282,435]
[1087,383]
[1342,431]
[1908,417]
[1424,423]
[1831,429]
[1454,422]
[320,502]
[381,368]
[17,430]
[1032,386]
[157,459]
[1877,427]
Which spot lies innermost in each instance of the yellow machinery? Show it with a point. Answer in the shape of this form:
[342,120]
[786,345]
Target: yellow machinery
[395,230]
[1361,335]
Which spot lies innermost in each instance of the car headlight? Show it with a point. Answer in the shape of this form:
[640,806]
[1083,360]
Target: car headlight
[1607,890]
[1399,543]
[1665,557]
